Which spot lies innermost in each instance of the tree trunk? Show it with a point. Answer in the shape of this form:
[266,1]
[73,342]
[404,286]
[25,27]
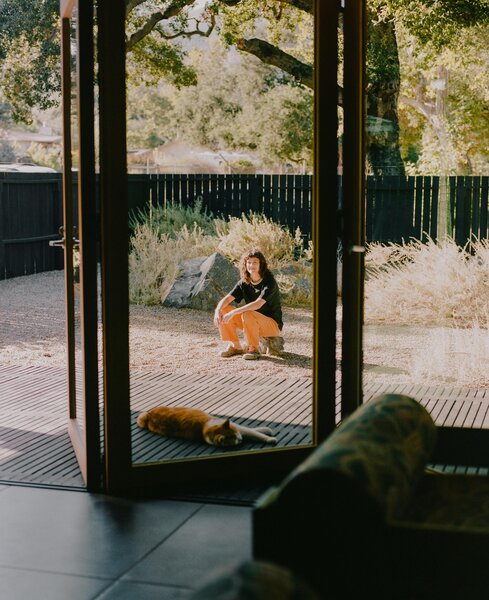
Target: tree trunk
[383,77]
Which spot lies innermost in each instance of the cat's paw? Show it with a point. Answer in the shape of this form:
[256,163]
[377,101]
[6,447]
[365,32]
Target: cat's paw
[272,440]
[265,430]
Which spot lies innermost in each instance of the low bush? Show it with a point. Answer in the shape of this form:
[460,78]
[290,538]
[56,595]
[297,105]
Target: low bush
[428,283]
[154,259]
[163,238]
[169,220]
[257,231]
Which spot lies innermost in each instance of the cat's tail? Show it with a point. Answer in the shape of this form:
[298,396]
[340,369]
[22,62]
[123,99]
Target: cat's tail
[142,419]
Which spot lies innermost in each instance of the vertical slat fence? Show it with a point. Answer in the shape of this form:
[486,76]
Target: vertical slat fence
[30,216]
[397,208]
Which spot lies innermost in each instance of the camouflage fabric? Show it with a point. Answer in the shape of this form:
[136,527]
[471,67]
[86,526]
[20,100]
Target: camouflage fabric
[254,580]
[382,448]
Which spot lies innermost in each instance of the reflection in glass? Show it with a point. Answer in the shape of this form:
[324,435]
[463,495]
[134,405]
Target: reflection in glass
[72,236]
[425,315]
[219,160]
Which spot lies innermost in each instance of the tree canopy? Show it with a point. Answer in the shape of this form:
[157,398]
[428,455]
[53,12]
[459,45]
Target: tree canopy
[410,43]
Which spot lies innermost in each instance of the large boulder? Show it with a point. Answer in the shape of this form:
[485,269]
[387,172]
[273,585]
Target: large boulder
[202,282]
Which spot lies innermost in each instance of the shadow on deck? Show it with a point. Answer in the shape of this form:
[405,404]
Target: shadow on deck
[35,448]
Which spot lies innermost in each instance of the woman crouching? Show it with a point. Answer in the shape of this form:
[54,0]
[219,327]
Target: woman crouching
[260,316]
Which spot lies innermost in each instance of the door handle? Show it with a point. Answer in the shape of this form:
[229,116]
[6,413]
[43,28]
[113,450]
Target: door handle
[59,243]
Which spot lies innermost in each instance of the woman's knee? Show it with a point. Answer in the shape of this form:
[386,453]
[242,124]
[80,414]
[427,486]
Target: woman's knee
[248,316]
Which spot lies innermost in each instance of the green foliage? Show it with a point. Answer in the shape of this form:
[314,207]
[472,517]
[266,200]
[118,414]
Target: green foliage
[147,116]
[278,23]
[46,157]
[444,99]
[438,22]
[157,59]
[171,219]
[29,49]
[242,106]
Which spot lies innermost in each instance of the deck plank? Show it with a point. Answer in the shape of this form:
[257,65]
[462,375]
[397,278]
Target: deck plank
[35,446]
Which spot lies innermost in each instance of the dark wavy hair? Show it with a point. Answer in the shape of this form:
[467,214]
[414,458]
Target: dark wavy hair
[253,253]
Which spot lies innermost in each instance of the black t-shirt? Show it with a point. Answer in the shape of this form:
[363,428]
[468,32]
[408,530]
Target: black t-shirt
[266,289]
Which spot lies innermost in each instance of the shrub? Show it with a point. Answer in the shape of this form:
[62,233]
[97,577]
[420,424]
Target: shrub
[154,259]
[169,220]
[257,231]
[430,284]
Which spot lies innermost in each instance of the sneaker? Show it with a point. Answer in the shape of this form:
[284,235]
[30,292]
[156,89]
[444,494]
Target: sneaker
[254,355]
[231,351]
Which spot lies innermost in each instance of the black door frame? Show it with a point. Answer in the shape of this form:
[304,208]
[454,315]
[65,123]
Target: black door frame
[84,430]
[120,474]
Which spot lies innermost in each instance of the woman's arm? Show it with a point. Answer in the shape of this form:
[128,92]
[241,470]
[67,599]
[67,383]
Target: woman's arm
[222,304]
[255,305]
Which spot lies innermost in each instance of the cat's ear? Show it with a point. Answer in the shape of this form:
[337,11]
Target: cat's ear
[227,424]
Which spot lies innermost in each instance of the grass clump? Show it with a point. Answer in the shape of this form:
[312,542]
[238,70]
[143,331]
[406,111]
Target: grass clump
[154,259]
[257,231]
[428,283]
[170,219]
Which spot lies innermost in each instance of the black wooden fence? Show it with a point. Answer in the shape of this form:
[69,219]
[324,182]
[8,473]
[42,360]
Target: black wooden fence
[30,216]
[401,208]
[286,199]
[397,208]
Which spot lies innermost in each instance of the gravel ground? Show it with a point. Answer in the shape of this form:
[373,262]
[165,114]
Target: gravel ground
[32,332]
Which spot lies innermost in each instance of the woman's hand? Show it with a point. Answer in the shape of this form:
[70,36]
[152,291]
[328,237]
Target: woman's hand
[227,317]
[217,317]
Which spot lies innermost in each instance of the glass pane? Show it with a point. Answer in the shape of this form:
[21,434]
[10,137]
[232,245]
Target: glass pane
[339,263]
[425,304]
[72,236]
[220,162]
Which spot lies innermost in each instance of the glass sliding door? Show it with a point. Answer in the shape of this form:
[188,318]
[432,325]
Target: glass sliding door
[79,236]
[219,151]
[426,219]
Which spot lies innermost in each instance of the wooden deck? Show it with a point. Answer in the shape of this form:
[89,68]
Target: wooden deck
[35,448]
[284,405]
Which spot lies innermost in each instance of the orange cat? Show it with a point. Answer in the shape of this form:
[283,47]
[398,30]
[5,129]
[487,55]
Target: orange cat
[198,426]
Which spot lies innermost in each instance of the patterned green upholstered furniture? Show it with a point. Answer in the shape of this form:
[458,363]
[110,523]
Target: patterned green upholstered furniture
[363,517]
[254,580]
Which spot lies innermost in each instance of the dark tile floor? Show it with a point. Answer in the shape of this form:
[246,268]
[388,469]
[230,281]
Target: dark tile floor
[70,545]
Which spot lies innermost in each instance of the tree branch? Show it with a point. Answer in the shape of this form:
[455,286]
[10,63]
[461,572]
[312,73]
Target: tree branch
[191,33]
[174,9]
[271,55]
[304,5]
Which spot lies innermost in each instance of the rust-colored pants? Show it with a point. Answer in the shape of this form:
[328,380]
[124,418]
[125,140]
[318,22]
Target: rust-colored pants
[253,324]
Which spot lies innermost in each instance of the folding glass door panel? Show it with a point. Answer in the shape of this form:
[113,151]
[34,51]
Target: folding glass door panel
[79,236]
[166,353]
[426,319]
